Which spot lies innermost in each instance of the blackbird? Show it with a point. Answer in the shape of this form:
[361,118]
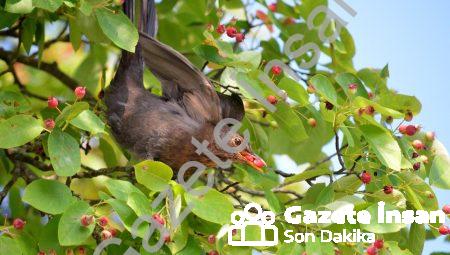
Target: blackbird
[162,127]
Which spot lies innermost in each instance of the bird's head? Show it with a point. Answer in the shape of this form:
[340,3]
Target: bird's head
[245,155]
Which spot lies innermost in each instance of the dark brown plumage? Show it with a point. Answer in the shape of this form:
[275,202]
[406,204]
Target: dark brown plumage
[161,128]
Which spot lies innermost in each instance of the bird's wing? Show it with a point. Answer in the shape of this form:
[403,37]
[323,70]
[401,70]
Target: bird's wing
[181,80]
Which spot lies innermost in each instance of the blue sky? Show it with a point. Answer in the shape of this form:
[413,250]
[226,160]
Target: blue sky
[414,38]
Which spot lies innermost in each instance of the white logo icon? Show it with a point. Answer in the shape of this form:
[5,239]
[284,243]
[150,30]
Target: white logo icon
[243,219]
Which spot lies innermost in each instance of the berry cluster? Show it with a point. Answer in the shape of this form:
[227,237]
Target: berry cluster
[373,249]
[52,103]
[231,32]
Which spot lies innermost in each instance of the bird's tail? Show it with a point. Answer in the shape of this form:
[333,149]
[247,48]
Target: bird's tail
[128,83]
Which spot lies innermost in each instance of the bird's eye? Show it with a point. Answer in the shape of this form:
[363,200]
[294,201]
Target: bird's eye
[237,141]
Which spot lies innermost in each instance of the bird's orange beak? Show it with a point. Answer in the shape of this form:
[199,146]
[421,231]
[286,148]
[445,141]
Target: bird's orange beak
[252,160]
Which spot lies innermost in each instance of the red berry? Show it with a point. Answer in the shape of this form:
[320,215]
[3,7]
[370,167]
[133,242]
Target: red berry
[19,224]
[379,244]
[402,129]
[411,130]
[211,239]
[329,105]
[80,92]
[220,29]
[372,250]
[49,124]
[103,221]
[276,70]
[240,37]
[370,95]
[87,220]
[443,230]
[366,177]
[259,163]
[234,232]
[446,209]
[312,122]
[52,252]
[388,189]
[415,155]
[167,239]
[81,251]
[69,252]
[418,145]
[158,218]
[105,234]
[369,110]
[430,136]
[409,116]
[352,88]
[272,99]
[113,231]
[52,102]
[289,21]
[416,166]
[273,7]
[213,253]
[41,253]
[231,32]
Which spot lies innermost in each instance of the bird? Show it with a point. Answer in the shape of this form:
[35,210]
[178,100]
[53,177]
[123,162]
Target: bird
[161,128]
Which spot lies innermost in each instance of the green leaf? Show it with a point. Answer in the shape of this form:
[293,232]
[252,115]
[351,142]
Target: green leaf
[384,145]
[64,153]
[87,120]
[27,36]
[212,54]
[48,238]
[48,196]
[290,249]
[418,192]
[381,228]
[319,247]
[71,112]
[19,130]
[290,122]
[75,34]
[192,247]
[154,175]
[213,206]
[9,245]
[19,6]
[274,203]
[347,184]
[139,203]
[325,197]
[294,91]
[121,189]
[127,216]
[440,171]
[49,5]
[416,241]
[70,230]
[325,88]
[118,28]
[7,19]
[395,249]
[400,102]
